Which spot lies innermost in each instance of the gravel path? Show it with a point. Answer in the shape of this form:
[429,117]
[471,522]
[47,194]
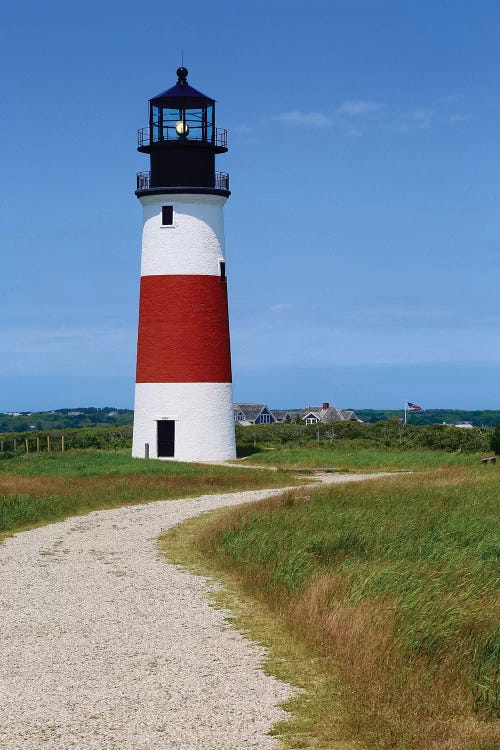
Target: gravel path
[104,646]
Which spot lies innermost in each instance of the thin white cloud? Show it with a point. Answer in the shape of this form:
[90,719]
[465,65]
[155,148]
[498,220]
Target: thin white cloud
[281,306]
[82,350]
[242,129]
[310,119]
[451,99]
[417,119]
[356,107]
[330,343]
[356,116]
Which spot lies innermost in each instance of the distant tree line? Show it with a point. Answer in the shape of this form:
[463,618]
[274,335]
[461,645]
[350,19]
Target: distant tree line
[76,417]
[65,418]
[479,418]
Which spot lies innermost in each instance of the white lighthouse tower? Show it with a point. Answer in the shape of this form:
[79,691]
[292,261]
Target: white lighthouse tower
[183,396]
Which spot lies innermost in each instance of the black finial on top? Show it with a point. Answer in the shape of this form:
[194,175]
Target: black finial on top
[181,76]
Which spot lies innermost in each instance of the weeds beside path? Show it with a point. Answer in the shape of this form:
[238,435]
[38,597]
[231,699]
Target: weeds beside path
[389,588]
[48,487]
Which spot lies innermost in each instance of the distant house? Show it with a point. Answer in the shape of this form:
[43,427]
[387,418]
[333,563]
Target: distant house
[246,414]
[327,413]
[464,425]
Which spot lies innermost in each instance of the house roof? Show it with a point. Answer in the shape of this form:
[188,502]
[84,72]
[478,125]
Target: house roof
[351,415]
[251,411]
[332,414]
[282,414]
[310,410]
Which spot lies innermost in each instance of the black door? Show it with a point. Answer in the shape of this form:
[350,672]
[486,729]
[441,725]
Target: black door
[166,438]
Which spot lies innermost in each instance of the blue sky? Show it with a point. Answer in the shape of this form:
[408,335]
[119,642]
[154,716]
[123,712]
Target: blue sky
[362,233]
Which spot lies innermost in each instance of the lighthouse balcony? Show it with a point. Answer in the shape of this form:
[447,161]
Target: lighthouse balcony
[210,136]
[220,182]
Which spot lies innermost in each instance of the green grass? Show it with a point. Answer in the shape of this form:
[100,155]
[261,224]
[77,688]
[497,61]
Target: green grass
[351,458]
[47,487]
[92,463]
[395,583]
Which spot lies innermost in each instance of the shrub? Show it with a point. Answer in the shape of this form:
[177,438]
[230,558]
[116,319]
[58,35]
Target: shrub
[495,440]
[390,433]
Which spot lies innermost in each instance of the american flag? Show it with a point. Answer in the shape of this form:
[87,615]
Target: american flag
[414,407]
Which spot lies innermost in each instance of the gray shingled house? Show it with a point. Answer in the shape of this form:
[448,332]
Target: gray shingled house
[246,414]
[327,413]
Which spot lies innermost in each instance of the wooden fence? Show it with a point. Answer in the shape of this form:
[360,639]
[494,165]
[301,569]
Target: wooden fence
[92,438]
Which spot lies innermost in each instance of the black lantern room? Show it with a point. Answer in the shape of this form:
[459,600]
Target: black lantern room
[182,141]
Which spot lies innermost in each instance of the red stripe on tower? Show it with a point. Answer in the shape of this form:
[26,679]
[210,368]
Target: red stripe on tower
[183,330]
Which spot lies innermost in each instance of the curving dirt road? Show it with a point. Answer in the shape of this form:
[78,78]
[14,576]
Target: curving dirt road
[104,646]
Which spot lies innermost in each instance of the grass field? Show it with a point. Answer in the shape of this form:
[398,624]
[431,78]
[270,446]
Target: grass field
[46,487]
[391,586]
[354,458]
[381,598]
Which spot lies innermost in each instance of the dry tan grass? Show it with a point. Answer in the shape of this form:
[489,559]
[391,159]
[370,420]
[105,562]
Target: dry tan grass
[427,704]
[45,486]
[30,500]
[395,700]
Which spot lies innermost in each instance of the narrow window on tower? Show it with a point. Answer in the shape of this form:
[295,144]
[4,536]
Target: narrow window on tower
[167,216]
[222,264]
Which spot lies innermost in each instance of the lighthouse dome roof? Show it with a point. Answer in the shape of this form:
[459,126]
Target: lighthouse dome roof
[181,93]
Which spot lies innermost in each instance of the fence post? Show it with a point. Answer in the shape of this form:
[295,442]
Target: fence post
[1,446]
[26,443]
[48,443]
[146,450]
[38,445]
[15,445]
[62,443]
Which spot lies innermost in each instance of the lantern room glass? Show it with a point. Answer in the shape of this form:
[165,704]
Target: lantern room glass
[199,122]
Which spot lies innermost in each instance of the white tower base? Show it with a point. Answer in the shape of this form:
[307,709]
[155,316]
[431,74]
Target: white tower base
[202,414]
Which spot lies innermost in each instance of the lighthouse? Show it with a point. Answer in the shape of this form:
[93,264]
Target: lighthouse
[183,394]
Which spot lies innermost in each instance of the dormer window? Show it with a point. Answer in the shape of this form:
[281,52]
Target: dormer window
[264,418]
[310,418]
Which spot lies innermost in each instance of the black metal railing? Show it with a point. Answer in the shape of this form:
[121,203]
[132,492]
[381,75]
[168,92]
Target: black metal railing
[143,180]
[219,137]
[221,181]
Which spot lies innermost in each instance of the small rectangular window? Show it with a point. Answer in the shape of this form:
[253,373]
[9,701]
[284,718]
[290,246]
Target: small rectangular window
[167,216]
[222,264]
